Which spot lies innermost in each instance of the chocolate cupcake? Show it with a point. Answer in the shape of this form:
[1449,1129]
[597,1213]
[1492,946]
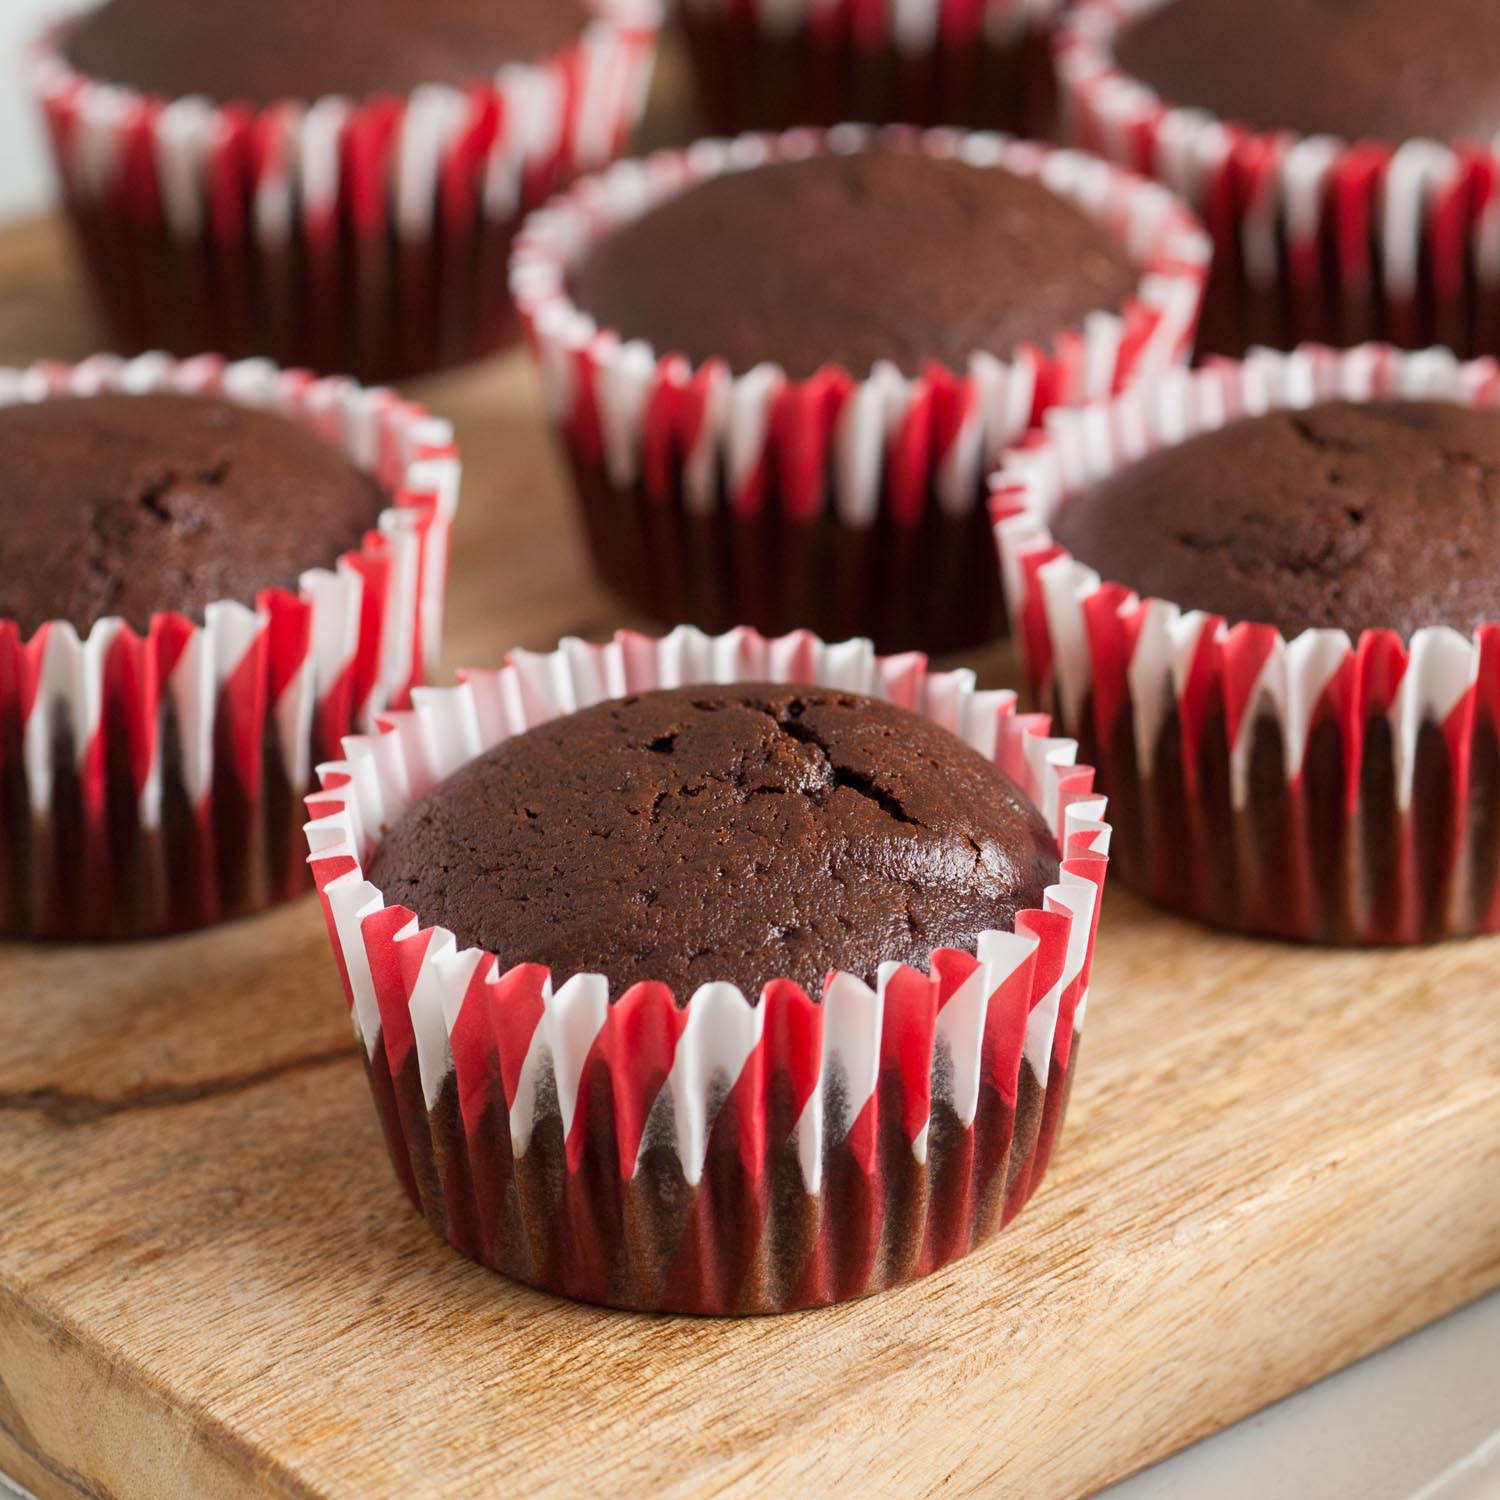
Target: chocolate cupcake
[201,590]
[1339,153]
[763,66]
[781,365]
[336,186]
[752,992]
[136,505]
[1261,599]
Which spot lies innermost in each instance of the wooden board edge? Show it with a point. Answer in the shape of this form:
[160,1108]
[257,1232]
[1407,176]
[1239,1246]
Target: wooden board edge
[61,1448]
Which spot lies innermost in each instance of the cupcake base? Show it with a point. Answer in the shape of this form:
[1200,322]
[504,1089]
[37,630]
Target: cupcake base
[749,80]
[1294,861]
[737,1242]
[363,305]
[931,584]
[236,854]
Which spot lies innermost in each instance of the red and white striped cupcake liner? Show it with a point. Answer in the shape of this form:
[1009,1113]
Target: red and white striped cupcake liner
[152,783]
[369,236]
[848,502]
[712,1153]
[1319,788]
[772,64]
[1315,238]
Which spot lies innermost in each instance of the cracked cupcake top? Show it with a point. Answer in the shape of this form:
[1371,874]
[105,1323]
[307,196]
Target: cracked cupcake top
[706,833]
[129,505]
[1341,516]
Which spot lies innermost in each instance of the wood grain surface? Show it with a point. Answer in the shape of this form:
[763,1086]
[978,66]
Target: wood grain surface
[211,1284]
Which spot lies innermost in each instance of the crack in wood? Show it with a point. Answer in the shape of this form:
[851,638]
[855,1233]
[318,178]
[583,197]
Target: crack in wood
[63,1107]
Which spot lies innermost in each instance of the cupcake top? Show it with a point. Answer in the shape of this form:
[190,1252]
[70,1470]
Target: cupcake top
[850,259]
[1342,516]
[260,53]
[706,833]
[129,505]
[1384,70]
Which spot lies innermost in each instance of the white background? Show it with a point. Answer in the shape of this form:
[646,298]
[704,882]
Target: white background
[25,178]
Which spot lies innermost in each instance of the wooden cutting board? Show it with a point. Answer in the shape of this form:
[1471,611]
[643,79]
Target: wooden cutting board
[211,1284]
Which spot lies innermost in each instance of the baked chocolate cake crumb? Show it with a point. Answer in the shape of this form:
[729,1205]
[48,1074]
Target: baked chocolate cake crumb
[131,505]
[305,50]
[1386,70]
[1342,516]
[883,254]
[708,833]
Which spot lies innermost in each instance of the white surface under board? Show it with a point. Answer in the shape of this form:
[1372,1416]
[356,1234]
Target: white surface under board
[1417,1421]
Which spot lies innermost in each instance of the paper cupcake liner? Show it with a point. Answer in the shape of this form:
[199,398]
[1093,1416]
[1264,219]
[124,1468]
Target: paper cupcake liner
[1315,237]
[725,1154]
[365,236]
[1314,788]
[153,783]
[770,65]
[849,504]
